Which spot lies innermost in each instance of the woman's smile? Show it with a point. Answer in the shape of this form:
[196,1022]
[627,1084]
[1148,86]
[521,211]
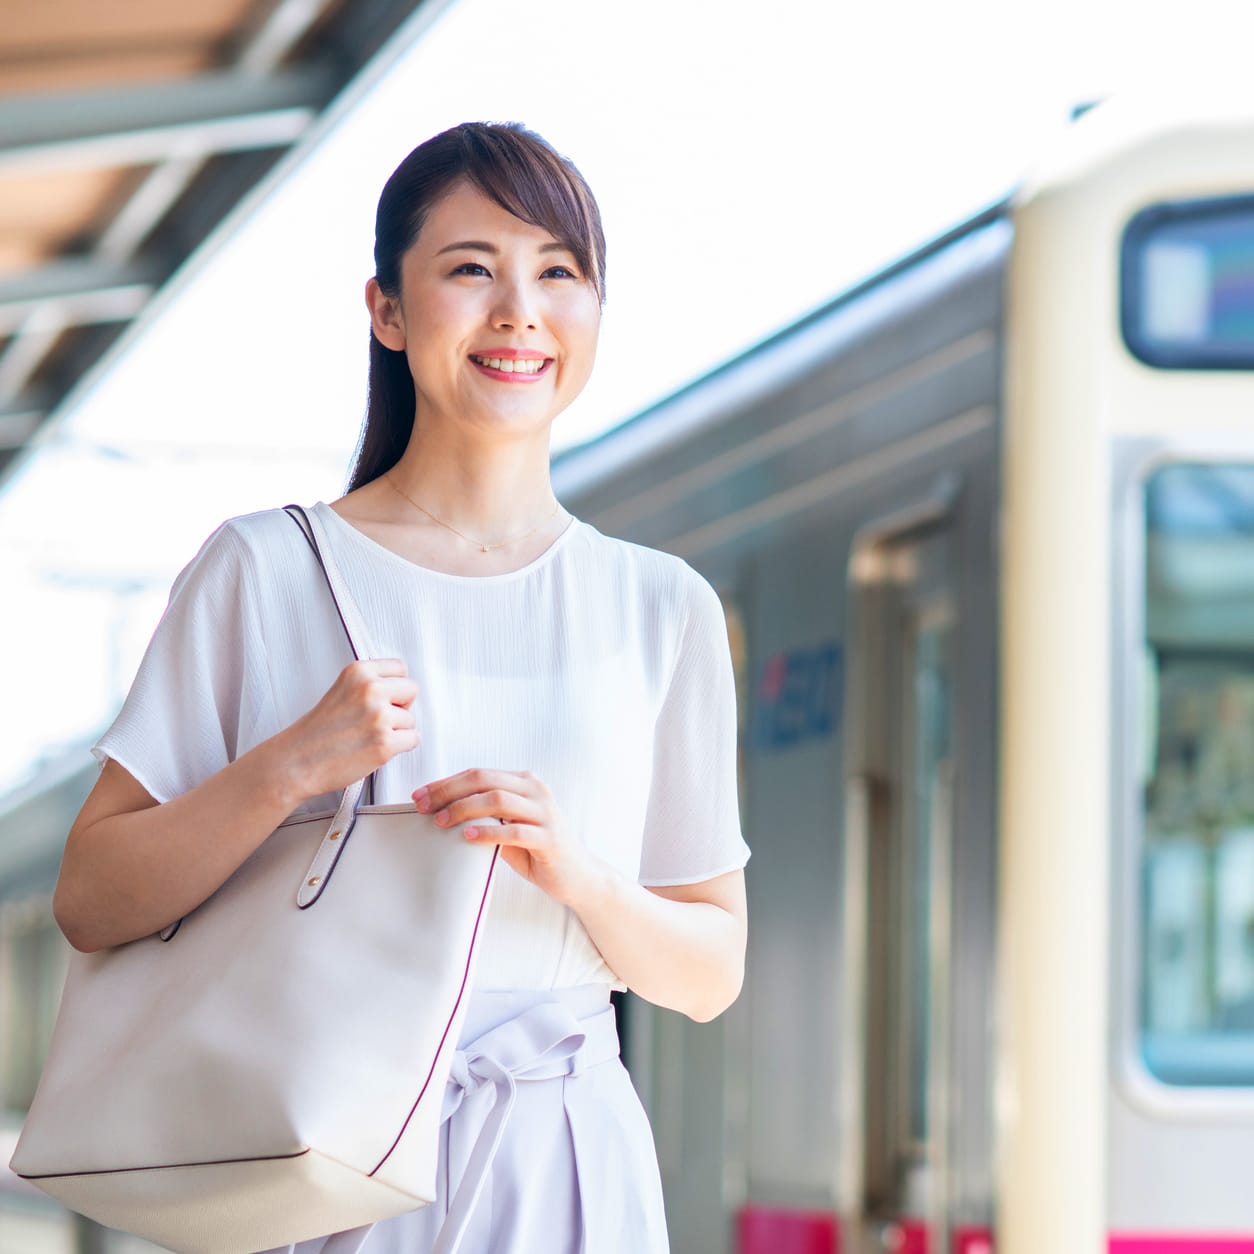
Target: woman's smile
[512,365]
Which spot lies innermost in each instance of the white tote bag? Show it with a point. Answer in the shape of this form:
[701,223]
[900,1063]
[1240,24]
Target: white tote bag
[272,1068]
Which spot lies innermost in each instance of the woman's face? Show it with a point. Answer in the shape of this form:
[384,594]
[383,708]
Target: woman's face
[497,321]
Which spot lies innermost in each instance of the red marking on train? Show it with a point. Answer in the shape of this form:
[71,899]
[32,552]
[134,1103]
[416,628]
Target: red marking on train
[773,675]
[906,1236]
[1179,1243]
[973,1241]
[767,1230]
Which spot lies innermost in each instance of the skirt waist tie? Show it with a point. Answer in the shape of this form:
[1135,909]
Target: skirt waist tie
[544,1042]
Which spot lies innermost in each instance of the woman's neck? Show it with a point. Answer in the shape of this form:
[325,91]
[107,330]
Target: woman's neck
[489,494]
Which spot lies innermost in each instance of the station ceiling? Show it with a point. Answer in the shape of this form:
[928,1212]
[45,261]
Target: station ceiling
[128,130]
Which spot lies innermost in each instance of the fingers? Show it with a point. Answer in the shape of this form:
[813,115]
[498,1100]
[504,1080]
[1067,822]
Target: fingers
[521,834]
[385,667]
[440,793]
[399,692]
[494,804]
[382,681]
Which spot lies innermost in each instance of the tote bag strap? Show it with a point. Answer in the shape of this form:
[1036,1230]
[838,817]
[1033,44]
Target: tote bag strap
[335,841]
[332,845]
[350,616]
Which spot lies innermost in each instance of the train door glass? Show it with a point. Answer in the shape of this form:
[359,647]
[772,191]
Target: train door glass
[908,894]
[1197,920]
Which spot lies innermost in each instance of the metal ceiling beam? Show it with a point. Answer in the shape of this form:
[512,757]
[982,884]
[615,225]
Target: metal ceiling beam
[57,280]
[105,301]
[17,426]
[178,146]
[288,22]
[226,111]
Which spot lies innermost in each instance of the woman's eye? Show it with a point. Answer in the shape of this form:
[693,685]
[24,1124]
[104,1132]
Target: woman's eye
[560,272]
[470,267]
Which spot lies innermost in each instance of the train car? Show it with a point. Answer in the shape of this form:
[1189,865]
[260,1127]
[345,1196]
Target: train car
[984,531]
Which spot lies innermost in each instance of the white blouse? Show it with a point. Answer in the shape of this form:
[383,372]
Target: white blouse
[602,666]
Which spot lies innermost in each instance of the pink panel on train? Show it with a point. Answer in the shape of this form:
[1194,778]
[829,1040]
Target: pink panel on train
[973,1241]
[911,1238]
[764,1230]
[1179,1243]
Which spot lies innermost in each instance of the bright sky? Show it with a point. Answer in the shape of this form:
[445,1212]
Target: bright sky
[751,160]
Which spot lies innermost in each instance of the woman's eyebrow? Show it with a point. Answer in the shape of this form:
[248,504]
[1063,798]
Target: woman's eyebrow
[478,245]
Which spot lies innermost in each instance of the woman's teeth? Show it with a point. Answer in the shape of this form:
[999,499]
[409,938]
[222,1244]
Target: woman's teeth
[512,365]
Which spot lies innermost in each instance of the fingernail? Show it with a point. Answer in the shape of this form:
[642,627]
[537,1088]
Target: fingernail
[422,800]
[442,818]
[470,832]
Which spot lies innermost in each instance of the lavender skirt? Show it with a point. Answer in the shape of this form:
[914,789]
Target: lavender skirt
[545,1148]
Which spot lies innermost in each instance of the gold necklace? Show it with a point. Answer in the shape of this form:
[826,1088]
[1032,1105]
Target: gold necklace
[483,548]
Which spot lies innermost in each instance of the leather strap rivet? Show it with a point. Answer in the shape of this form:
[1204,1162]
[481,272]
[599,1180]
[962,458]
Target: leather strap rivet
[317,879]
[334,836]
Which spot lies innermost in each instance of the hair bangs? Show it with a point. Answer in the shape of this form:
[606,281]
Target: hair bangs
[527,178]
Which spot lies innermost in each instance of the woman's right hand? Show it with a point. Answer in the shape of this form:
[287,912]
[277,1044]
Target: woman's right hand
[365,719]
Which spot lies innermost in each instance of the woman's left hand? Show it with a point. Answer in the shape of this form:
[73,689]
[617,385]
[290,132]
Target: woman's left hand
[522,817]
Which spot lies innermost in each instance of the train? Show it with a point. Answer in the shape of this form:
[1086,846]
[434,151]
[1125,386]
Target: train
[983,528]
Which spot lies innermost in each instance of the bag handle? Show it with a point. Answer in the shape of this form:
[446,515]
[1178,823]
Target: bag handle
[331,847]
[354,625]
[350,616]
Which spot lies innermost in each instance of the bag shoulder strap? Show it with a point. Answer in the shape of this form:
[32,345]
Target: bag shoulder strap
[354,625]
[359,641]
[342,823]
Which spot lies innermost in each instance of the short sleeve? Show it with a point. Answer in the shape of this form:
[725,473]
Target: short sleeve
[196,695]
[692,822]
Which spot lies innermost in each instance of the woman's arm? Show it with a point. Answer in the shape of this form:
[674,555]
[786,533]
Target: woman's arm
[132,866]
[680,947]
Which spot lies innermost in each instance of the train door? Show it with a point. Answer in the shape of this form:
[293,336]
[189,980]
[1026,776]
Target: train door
[899,837]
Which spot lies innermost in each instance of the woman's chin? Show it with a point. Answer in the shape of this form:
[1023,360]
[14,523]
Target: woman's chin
[521,421]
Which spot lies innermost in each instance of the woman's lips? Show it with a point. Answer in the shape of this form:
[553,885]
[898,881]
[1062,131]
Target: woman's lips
[521,369]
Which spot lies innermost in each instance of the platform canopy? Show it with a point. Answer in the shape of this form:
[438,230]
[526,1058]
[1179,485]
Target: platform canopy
[127,132]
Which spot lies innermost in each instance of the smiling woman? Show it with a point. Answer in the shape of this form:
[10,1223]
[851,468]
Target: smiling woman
[472,320]
[515,171]
[574,694]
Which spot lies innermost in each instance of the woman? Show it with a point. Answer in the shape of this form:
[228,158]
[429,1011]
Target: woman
[571,690]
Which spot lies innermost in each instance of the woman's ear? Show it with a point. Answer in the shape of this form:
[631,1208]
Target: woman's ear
[385,316]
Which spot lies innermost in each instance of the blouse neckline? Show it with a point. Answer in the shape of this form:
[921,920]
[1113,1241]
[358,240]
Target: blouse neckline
[329,516]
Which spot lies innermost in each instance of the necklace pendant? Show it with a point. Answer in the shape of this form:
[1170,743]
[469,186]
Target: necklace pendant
[483,548]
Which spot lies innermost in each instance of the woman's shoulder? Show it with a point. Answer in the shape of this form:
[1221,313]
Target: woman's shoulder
[655,571]
[240,547]
[258,535]
[265,527]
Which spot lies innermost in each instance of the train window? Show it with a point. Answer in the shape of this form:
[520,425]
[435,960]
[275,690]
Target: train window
[1188,284]
[929,765]
[1197,872]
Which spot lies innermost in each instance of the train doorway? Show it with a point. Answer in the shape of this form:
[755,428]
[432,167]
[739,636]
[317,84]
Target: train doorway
[904,764]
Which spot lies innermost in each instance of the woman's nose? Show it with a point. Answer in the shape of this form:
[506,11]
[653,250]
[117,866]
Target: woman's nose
[514,308]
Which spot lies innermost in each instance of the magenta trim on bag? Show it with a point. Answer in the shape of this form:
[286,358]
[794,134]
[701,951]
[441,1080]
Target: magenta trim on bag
[496,853]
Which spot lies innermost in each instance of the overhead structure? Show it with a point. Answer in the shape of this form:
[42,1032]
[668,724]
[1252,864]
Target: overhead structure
[127,132]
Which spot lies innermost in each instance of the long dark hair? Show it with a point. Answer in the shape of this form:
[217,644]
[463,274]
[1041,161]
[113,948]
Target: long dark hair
[525,176]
